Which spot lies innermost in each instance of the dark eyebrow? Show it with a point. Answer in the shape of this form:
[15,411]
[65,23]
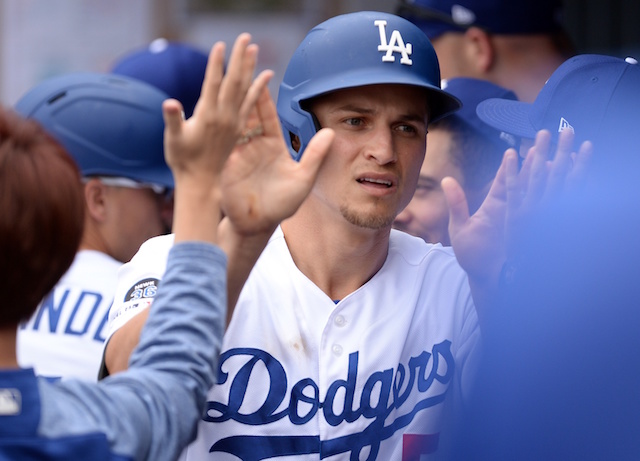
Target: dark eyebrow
[415,118]
[353,108]
[361,110]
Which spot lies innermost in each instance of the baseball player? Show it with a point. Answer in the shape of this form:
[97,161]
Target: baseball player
[461,146]
[349,340]
[112,126]
[149,412]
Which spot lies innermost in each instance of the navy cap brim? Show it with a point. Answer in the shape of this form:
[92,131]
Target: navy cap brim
[507,115]
[434,29]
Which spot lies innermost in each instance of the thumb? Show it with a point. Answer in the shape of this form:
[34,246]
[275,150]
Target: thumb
[173,115]
[457,202]
[316,152]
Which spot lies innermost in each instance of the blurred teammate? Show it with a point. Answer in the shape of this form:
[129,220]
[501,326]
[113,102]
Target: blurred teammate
[112,126]
[175,68]
[516,45]
[560,376]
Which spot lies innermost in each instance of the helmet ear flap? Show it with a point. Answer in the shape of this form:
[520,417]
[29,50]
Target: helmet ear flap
[294,139]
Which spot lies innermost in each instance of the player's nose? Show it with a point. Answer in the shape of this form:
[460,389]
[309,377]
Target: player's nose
[380,146]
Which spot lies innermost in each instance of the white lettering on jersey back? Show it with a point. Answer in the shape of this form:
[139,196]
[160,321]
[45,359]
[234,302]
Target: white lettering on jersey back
[394,45]
[72,312]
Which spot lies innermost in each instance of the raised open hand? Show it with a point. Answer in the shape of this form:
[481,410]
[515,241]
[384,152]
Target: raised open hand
[483,242]
[199,147]
[262,184]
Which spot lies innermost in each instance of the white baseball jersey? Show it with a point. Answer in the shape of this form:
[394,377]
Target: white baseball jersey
[305,377]
[64,338]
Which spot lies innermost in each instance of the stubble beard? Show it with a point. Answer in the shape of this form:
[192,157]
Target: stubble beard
[373,221]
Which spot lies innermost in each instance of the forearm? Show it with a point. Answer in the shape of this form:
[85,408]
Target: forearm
[121,344]
[197,209]
[190,299]
[175,363]
[242,252]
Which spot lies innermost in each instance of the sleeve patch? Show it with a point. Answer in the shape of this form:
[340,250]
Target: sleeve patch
[146,288]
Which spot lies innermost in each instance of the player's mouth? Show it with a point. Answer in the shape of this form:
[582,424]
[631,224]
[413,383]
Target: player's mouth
[375,182]
[378,185]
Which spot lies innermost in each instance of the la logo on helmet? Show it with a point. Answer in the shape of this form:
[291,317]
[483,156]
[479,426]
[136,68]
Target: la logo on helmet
[394,45]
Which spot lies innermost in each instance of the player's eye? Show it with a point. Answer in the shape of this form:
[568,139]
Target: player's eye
[406,128]
[424,188]
[354,121]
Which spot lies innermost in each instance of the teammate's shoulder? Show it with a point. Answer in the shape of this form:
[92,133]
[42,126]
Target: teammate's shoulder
[154,246]
[414,249]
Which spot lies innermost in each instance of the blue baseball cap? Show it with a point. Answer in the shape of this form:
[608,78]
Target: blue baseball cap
[472,91]
[587,94]
[435,17]
[176,68]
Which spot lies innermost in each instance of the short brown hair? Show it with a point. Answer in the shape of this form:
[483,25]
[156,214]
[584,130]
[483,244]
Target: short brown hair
[41,215]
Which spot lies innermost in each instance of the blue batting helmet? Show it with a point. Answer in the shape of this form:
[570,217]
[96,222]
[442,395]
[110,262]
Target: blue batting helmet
[111,125]
[357,49]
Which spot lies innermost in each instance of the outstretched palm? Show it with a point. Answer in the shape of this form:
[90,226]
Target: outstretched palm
[484,241]
[261,183]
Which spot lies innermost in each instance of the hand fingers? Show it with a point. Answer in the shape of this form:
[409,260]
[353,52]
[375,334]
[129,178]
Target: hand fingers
[248,110]
[509,170]
[242,64]
[268,114]
[581,162]
[213,74]
[316,152]
[537,177]
[173,118]
[457,202]
[561,164]
[236,66]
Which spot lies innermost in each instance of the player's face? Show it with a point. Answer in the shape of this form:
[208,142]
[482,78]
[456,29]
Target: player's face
[372,169]
[427,215]
[136,216]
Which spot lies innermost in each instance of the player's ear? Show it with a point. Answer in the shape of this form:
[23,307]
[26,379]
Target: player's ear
[479,49]
[95,196]
[295,142]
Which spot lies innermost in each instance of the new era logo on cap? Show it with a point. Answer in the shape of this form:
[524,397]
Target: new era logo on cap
[564,125]
[462,15]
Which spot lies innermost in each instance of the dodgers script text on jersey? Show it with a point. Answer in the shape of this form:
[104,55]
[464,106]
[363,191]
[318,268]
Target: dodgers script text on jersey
[368,377]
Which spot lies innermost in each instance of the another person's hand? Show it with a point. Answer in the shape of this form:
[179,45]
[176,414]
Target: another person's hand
[261,183]
[200,145]
[197,149]
[485,241]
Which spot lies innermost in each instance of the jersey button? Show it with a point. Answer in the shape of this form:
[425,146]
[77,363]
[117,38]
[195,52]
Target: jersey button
[340,321]
[337,349]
